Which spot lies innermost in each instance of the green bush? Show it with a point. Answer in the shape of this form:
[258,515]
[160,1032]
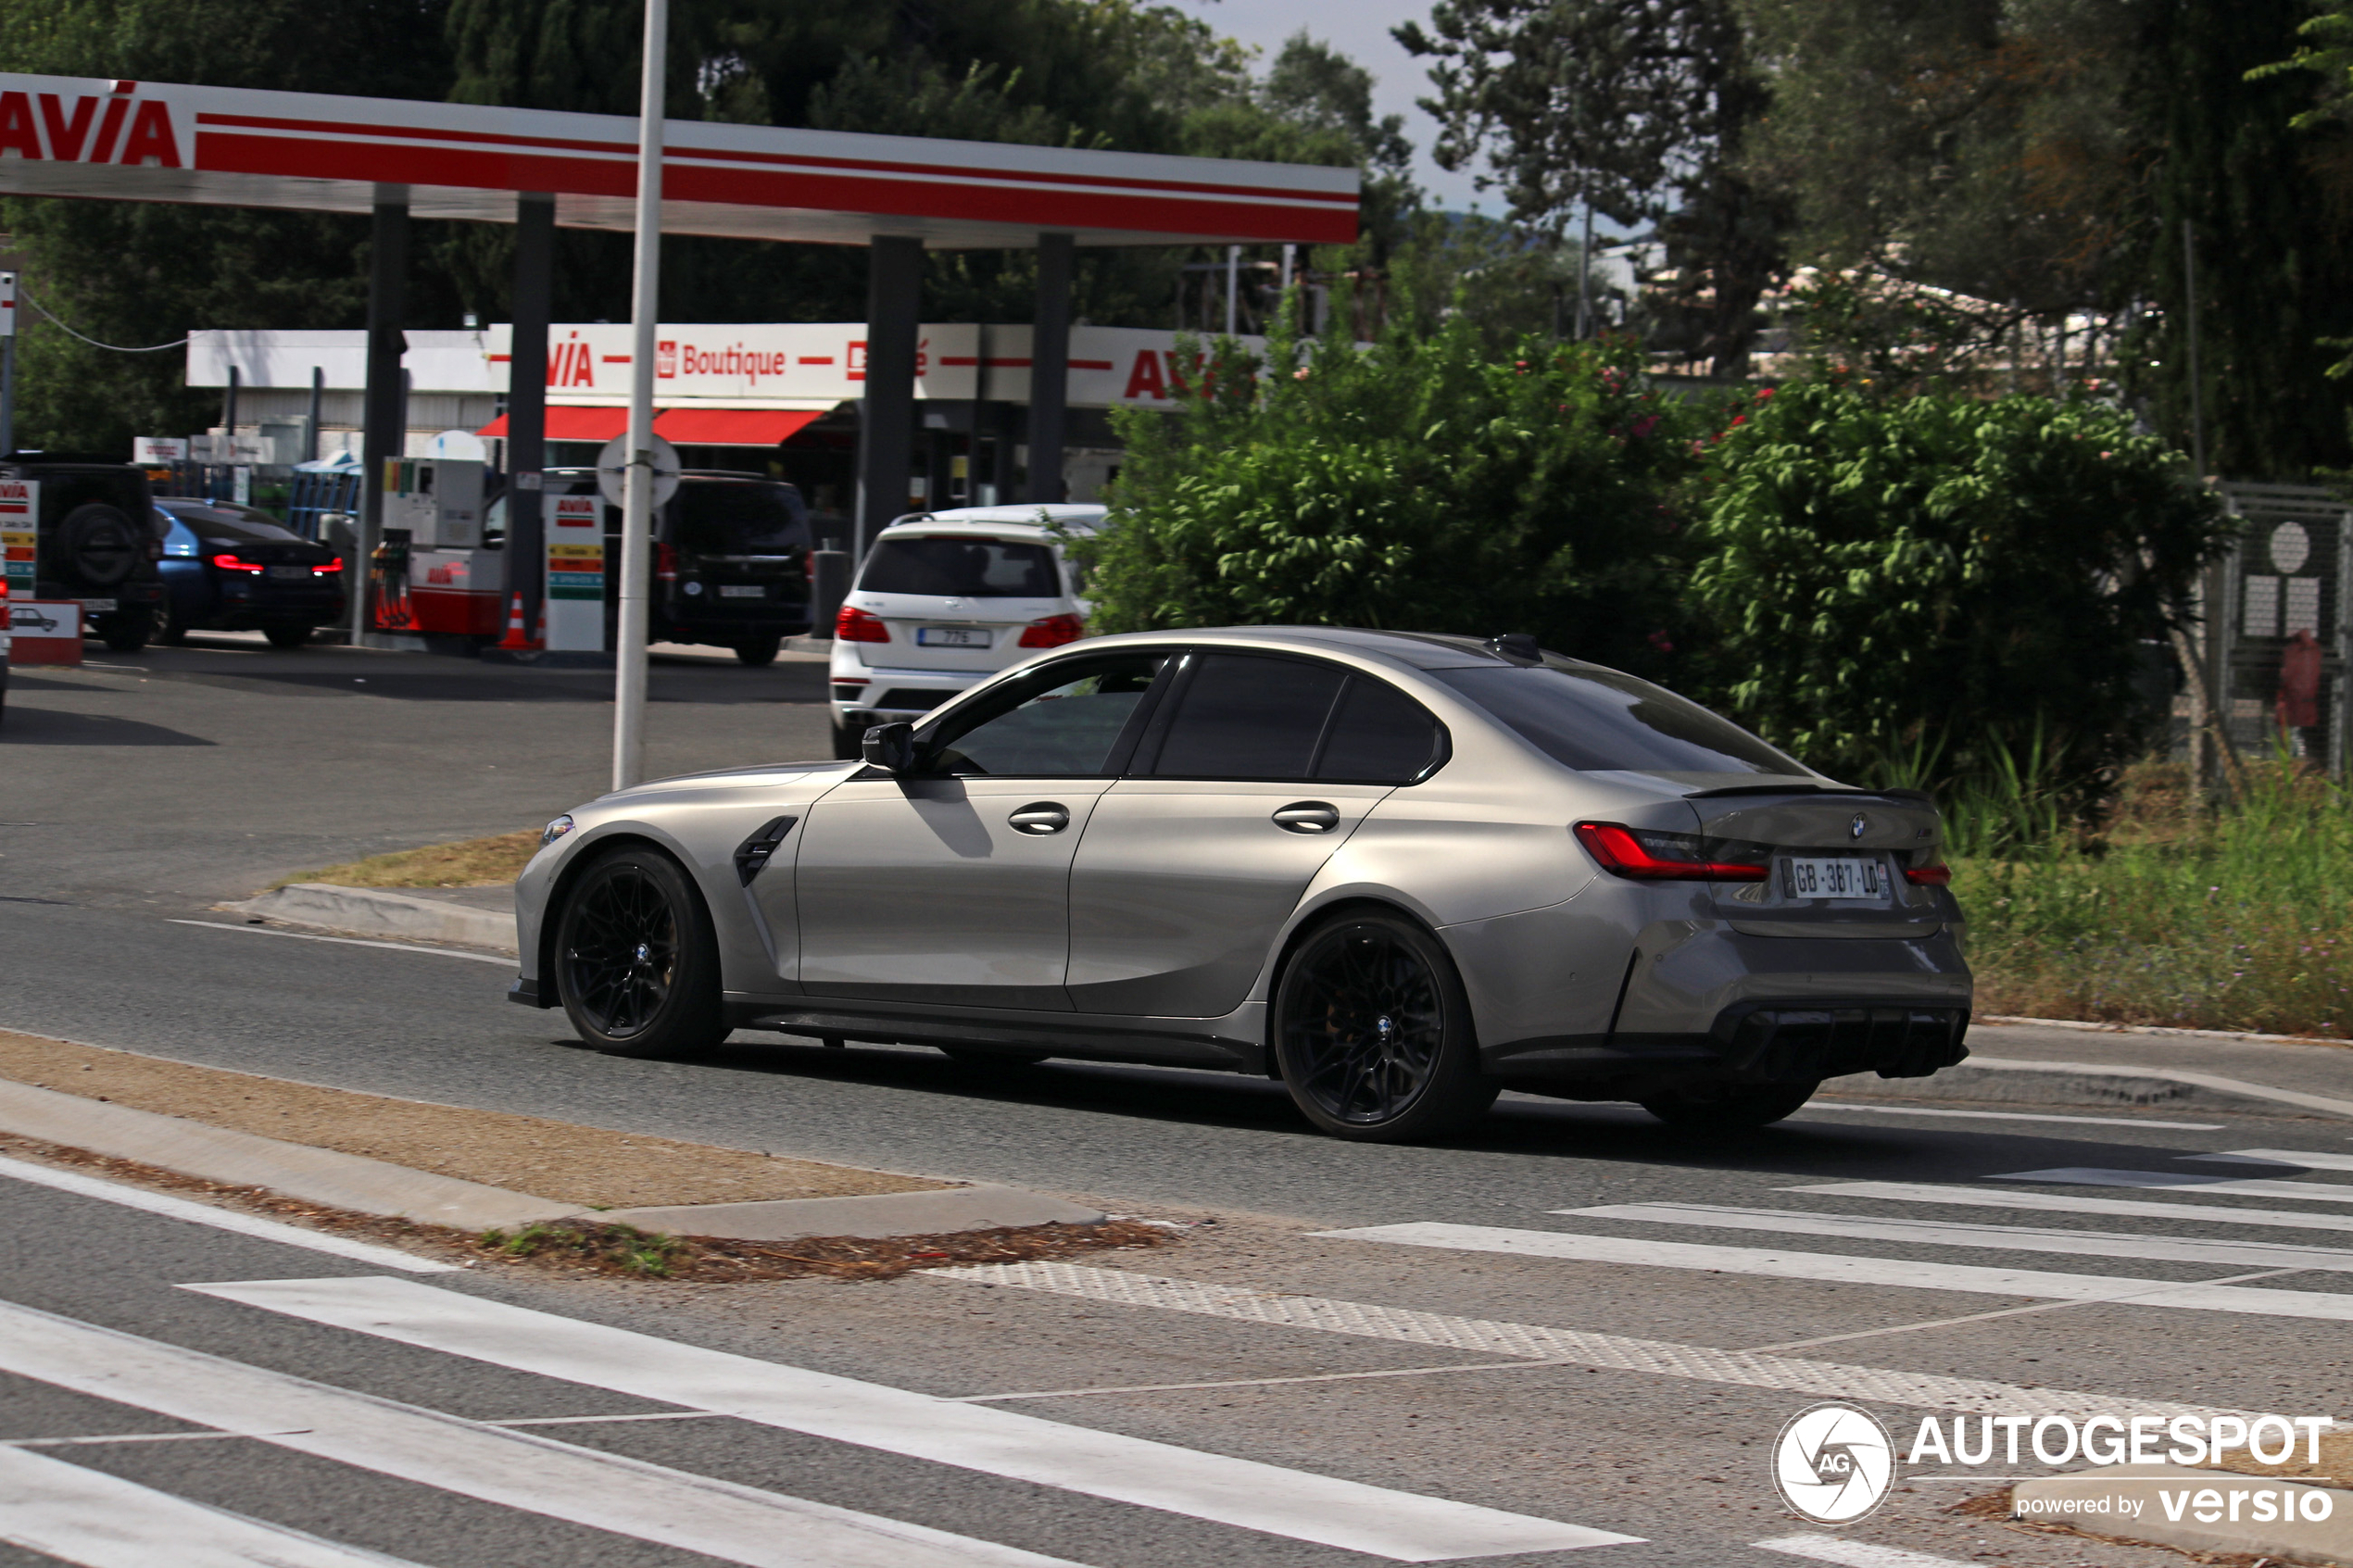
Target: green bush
[1952,581]
[1417,484]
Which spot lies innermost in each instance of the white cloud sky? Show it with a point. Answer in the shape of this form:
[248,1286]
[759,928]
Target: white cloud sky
[1358,29]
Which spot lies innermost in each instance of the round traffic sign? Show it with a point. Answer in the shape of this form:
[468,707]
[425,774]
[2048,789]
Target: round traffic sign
[613,470]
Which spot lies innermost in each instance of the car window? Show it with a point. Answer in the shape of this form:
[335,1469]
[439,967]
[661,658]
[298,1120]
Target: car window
[1066,730]
[1595,719]
[1243,716]
[215,524]
[970,569]
[1378,735]
[746,517]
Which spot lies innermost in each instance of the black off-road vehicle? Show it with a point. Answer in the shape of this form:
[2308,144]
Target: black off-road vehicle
[97,542]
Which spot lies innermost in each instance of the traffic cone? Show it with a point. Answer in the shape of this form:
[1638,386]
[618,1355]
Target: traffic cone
[516,640]
[539,638]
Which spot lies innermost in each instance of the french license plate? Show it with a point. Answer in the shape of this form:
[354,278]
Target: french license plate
[952,637]
[743,591]
[97,607]
[1843,876]
[288,573]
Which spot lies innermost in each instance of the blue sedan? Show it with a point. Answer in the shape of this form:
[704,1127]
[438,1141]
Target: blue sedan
[233,568]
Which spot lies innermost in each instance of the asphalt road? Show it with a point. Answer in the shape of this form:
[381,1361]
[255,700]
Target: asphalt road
[1622,1420]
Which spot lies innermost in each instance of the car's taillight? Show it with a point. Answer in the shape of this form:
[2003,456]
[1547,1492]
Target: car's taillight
[235,563]
[854,625]
[1053,631]
[328,569]
[1939,875]
[1647,855]
[665,562]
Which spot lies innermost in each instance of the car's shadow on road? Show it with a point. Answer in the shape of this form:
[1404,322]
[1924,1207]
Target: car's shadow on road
[1518,1128]
[50,726]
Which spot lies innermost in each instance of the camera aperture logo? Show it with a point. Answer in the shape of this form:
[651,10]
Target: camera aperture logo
[1832,1463]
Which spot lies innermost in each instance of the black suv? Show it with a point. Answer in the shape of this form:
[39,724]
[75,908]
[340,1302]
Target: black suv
[97,542]
[731,560]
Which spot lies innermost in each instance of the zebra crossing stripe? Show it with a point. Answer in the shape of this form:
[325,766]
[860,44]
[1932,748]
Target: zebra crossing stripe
[1843,1269]
[2256,1186]
[99,1521]
[2309,1160]
[1403,1526]
[518,1469]
[2070,1203]
[1848,1553]
[2012,1238]
[1658,1358]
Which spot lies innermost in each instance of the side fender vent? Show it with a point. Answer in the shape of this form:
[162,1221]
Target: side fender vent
[752,856]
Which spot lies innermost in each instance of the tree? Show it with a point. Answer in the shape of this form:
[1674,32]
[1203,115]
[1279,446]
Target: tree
[1633,108]
[1417,484]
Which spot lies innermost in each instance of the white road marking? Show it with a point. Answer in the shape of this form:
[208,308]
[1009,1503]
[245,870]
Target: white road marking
[1535,1343]
[2304,1159]
[2057,1204]
[2203,1080]
[2014,1238]
[518,1469]
[1403,1526]
[220,1219]
[1814,1105]
[1848,1553]
[2088,1175]
[347,941]
[85,1516]
[2210,1296]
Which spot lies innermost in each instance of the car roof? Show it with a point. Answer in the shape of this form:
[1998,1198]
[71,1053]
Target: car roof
[1068,517]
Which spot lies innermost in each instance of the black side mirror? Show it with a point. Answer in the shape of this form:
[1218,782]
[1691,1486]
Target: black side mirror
[890,747]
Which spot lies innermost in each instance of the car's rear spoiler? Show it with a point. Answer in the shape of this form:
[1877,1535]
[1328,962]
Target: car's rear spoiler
[1908,796]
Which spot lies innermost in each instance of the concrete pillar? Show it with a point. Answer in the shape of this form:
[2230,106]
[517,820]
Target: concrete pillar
[887,416]
[382,432]
[1049,369]
[527,403]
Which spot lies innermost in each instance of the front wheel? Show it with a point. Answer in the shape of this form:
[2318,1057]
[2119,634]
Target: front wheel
[636,964]
[1728,1108]
[1373,1033]
[286,637]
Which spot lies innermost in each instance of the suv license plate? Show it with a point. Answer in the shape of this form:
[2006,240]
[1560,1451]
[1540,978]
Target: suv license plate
[743,591]
[950,637]
[97,607]
[1842,877]
[287,573]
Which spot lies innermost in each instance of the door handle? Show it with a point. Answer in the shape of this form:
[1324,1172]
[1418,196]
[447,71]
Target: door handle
[1039,818]
[1308,816]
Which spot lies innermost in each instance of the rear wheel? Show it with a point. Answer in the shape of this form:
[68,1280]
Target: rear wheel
[168,628]
[636,965]
[1373,1033]
[1728,1108]
[286,637]
[125,631]
[759,652]
[848,741]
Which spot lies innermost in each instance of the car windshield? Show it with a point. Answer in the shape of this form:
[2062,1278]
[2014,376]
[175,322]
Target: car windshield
[216,524]
[961,568]
[1598,721]
[740,517]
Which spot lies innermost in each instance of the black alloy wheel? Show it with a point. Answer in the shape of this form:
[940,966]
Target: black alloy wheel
[757,653]
[1373,1033]
[636,965]
[1728,1108]
[284,636]
[126,631]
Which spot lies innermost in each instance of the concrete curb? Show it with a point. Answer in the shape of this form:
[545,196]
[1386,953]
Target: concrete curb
[2062,1500]
[979,1208]
[380,912]
[2090,1027]
[2006,1081]
[299,1171]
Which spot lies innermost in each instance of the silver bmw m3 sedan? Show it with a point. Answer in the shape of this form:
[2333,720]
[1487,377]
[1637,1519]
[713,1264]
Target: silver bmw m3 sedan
[1397,872]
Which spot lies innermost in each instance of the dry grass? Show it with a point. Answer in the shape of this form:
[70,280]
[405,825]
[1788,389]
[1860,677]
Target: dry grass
[470,862]
[592,1247]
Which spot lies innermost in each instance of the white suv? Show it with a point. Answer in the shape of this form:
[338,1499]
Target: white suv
[943,601]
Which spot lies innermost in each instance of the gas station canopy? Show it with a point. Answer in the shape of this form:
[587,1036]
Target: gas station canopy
[143,140]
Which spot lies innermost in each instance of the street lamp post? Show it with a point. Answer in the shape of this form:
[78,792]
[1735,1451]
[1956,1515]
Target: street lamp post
[637,505]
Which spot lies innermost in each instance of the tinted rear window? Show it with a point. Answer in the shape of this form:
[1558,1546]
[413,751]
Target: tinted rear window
[222,525]
[1379,736]
[970,569]
[1595,719]
[740,518]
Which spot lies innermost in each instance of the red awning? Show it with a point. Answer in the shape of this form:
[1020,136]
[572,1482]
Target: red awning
[682,427]
[732,427]
[569,424]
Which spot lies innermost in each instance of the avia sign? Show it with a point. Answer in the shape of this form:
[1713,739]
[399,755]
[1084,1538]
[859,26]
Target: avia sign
[115,127]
